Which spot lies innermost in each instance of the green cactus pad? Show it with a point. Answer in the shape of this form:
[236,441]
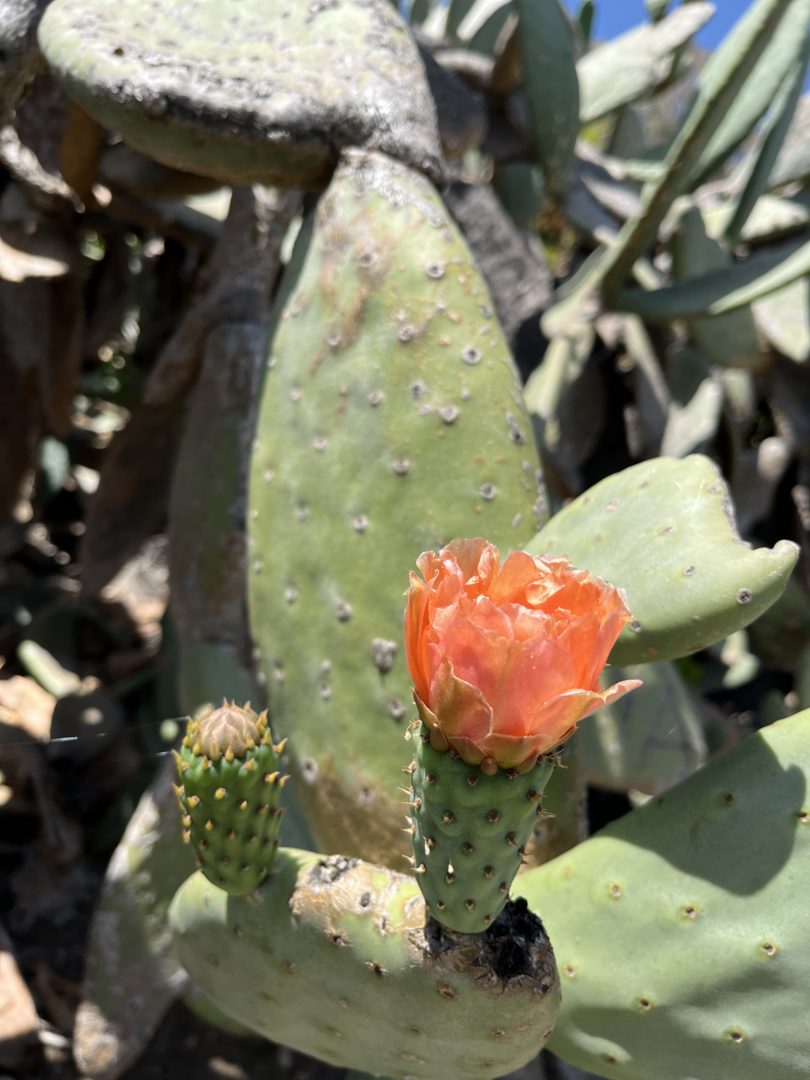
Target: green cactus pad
[132,972]
[680,929]
[664,531]
[229,792]
[264,91]
[332,957]
[646,741]
[470,832]
[391,422]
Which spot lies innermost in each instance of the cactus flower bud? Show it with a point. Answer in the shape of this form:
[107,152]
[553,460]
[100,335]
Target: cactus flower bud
[505,658]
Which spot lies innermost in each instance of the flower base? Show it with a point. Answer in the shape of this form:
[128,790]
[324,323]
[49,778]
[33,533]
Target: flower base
[469,832]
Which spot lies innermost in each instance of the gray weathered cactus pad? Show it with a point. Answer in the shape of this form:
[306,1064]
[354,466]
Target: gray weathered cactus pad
[247,90]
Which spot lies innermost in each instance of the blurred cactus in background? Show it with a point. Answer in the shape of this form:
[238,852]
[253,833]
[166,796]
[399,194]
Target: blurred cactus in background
[292,293]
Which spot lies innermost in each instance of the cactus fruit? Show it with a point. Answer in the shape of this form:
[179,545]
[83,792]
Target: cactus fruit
[470,832]
[391,420]
[333,956]
[229,791]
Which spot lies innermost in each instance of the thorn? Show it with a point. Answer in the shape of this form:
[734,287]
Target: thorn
[209,825]
[186,820]
[182,766]
[410,859]
[420,869]
[196,749]
[243,805]
[229,755]
[193,801]
[250,765]
[281,746]
[206,763]
[186,836]
[179,790]
[270,777]
[220,793]
[406,790]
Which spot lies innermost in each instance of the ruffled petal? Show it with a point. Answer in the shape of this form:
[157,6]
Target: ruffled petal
[460,708]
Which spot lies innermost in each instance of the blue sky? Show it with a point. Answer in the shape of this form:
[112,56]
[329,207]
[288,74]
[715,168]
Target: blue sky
[615,16]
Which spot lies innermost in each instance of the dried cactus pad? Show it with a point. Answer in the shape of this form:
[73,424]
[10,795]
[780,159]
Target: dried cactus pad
[332,957]
[247,90]
[680,929]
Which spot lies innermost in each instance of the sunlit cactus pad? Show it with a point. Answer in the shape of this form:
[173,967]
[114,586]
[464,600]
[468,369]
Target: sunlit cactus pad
[229,792]
[247,90]
[680,930]
[664,531]
[391,421]
[332,956]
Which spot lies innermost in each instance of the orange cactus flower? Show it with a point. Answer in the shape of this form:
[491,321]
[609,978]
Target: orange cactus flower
[505,658]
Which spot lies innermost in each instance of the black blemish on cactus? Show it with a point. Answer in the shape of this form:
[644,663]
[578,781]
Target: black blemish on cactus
[509,947]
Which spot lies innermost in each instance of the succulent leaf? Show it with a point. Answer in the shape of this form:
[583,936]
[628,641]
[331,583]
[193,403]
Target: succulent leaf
[721,291]
[550,78]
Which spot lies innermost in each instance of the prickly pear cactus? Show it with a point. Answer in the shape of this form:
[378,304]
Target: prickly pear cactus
[699,964]
[333,957]
[391,421]
[228,793]
[664,531]
[470,832]
[264,91]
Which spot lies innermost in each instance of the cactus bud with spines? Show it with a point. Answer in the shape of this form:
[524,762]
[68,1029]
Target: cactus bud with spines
[230,784]
[505,660]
